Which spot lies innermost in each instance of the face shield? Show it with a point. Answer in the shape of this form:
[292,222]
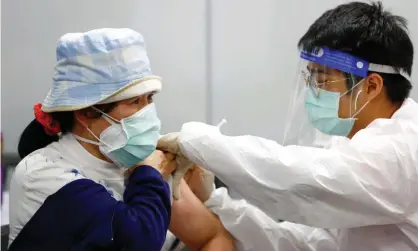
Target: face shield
[326,97]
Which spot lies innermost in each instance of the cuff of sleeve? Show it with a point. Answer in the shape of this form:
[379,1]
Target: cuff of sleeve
[193,138]
[216,198]
[145,171]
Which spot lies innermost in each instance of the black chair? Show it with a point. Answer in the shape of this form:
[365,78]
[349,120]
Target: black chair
[4,237]
[219,183]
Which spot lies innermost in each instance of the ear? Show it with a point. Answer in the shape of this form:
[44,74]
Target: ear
[374,85]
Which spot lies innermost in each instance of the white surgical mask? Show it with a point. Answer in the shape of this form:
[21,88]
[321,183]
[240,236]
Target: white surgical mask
[130,140]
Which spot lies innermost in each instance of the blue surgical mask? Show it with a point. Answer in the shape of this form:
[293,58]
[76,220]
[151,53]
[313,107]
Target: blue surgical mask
[130,140]
[322,110]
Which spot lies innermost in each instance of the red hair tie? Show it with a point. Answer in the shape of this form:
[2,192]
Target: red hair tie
[51,126]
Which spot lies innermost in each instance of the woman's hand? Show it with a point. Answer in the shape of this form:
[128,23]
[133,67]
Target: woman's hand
[164,163]
[200,181]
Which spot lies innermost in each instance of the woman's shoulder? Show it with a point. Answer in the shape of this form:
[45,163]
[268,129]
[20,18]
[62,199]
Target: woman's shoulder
[37,177]
[45,169]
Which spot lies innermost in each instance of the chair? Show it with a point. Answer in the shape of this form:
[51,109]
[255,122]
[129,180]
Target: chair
[219,183]
[4,237]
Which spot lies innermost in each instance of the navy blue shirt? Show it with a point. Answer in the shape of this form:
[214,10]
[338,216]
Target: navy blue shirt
[83,215]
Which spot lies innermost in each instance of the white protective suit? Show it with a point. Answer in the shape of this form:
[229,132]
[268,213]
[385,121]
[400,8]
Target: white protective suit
[366,189]
[254,230]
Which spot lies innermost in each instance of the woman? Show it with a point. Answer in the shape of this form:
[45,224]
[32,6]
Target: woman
[92,146]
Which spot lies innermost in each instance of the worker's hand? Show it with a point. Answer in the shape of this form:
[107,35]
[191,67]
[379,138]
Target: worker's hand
[168,143]
[183,165]
[200,181]
[164,163]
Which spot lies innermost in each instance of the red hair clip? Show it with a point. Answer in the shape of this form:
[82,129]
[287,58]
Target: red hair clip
[51,126]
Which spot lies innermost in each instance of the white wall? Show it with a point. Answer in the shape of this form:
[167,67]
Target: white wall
[174,30]
[251,44]
[255,58]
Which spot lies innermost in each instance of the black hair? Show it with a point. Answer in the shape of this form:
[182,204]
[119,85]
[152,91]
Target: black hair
[34,136]
[369,32]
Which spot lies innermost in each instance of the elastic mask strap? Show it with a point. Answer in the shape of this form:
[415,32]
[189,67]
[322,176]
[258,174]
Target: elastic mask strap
[106,116]
[86,140]
[352,88]
[355,105]
[355,102]
[109,120]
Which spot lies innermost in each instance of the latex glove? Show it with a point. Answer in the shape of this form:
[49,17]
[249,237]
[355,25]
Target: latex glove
[169,144]
[183,165]
[201,182]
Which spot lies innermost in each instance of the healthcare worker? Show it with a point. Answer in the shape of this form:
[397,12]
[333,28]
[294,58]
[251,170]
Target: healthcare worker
[357,192]
[91,178]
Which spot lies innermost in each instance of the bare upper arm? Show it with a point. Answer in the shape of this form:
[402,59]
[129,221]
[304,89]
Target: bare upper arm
[194,224]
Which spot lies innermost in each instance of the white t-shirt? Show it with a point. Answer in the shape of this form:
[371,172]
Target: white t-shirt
[28,196]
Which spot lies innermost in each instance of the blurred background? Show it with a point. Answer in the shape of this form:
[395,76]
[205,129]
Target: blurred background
[218,59]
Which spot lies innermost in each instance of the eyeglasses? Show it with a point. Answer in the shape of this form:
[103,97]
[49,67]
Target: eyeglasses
[316,86]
